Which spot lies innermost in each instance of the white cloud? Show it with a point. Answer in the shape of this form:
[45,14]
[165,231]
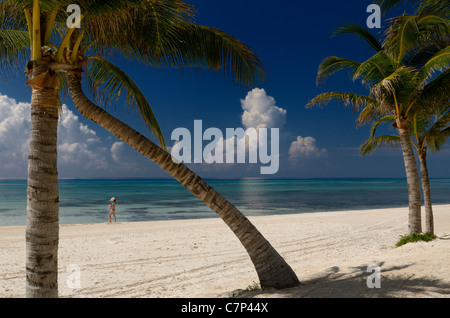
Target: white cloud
[78,145]
[305,148]
[234,146]
[14,135]
[126,158]
[80,150]
[260,111]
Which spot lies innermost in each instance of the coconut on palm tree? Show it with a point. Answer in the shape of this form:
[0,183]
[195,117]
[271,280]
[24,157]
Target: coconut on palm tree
[156,33]
[414,49]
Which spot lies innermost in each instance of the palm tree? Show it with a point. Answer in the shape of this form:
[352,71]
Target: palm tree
[429,131]
[117,27]
[415,47]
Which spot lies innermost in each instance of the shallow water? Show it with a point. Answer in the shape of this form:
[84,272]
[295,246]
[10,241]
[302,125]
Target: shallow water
[86,201]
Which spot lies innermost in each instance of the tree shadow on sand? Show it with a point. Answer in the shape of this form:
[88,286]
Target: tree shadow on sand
[335,282]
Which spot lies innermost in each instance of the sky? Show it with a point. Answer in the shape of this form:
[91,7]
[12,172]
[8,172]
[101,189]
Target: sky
[291,38]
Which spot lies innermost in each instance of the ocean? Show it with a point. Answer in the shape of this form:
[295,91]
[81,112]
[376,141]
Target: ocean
[86,201]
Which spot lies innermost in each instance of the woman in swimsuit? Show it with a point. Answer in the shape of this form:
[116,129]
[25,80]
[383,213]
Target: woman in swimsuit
[112,207]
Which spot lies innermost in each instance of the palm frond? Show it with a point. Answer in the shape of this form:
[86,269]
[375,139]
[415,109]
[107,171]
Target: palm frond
[360,31]
[436,92]
[333,64]
[12,17]
[373,112]
[108,82]
[215,50]
[14,51]
[418,56]
[439,62]
[435,144]
[435,7]
[386,119]
[397,88]
[162,34]
[411,32]
[375,69]
[198,47]
[438,132]
[140,29]
[355,101]
[401,35]
[391,141]
[401,76]
[63,85]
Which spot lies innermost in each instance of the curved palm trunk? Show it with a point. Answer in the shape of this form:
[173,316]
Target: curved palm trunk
[426,189]
[412,176]
[42,230]
[272,269]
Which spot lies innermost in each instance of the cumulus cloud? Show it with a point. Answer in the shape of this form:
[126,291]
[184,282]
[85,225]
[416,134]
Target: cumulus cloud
[14,136]
[305,147]
[260,111]
[238,145]
[79,145]
[126,158]
[80,150]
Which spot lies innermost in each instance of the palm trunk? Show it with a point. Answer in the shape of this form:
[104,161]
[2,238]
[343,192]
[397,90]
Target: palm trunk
[42,230]
[272,269]
[426,189]
[412,176]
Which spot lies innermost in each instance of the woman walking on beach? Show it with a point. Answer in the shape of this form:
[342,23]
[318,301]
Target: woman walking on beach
[112,207]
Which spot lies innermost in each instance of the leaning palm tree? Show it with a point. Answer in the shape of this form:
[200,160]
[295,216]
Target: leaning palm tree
[429,131]
[195,41]
[415,47]
[157,33]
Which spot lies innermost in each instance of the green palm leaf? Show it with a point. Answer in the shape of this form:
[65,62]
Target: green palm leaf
[435,7]
[362,32]
[373,143]
[397,88]
[375,69]
[438,62]
[215,50]
[108,82]
[401,36]
[435,144]
[333,64]
[355,101]
[408,32]
[385,119]
[373,112]
[439,132]
[200,47]
[14,51]
[137,26]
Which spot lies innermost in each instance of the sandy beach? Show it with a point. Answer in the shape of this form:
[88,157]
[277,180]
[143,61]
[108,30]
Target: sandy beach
[330,253]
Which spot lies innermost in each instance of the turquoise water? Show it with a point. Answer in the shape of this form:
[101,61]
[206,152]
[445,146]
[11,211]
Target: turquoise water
[86,201]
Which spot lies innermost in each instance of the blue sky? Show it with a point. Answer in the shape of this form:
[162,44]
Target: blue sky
[291,38]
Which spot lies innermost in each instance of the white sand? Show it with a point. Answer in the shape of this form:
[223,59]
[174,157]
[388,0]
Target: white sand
[330,253]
